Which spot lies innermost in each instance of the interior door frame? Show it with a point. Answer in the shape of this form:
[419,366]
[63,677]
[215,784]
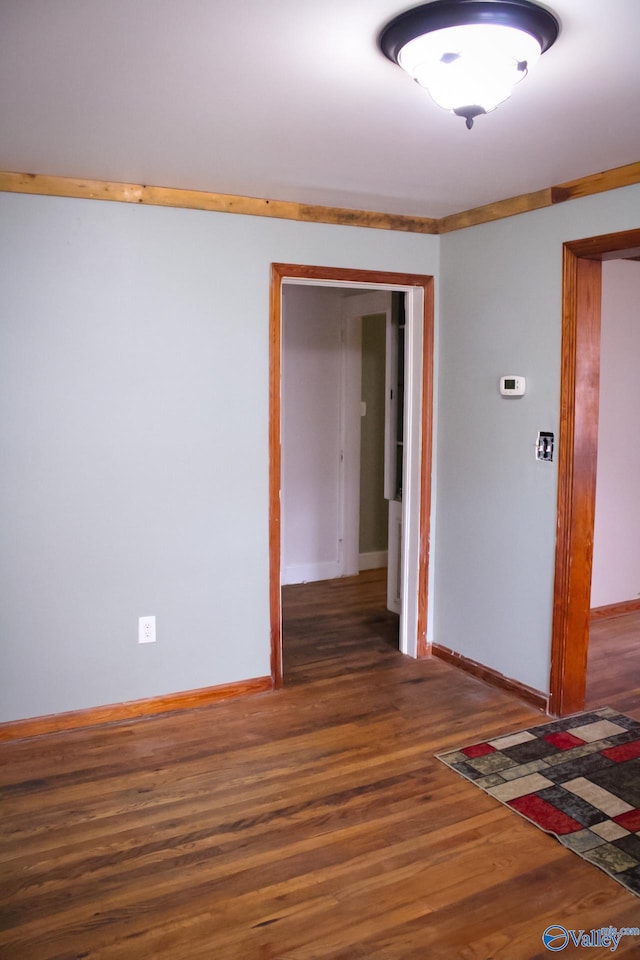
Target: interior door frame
[577,461]
[281,272]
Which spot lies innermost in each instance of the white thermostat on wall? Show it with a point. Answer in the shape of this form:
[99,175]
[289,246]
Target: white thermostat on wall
[513,386]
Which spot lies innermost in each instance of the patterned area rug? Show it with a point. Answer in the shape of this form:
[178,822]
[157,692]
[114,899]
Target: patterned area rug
[577,778]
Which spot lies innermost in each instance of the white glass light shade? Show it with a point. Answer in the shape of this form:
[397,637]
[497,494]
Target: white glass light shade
[470,65]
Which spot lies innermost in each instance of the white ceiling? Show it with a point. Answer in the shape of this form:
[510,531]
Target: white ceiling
[292,100]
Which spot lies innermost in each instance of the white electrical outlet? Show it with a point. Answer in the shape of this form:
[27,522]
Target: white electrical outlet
[147,630]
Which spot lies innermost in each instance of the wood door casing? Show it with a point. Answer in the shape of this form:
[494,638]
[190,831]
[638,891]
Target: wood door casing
[280,272]
[577,461]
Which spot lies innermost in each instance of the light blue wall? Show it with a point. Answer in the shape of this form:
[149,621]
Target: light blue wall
[500,313]
[133,435]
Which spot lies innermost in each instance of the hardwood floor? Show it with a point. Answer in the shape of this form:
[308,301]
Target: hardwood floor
[613,668]
[336,627]
[313,823]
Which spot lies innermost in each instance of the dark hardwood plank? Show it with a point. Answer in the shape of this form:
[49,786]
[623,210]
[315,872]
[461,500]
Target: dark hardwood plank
[613,673]
[311,822]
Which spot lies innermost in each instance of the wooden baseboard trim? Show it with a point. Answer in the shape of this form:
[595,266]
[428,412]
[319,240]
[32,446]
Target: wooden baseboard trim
[535,697]
[374,560]
[614,610]
[133,709]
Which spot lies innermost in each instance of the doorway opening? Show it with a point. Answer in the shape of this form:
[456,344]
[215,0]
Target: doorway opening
[416,507]
[577,461]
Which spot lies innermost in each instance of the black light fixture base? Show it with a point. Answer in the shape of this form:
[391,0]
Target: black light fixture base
[469,114]
[521,14]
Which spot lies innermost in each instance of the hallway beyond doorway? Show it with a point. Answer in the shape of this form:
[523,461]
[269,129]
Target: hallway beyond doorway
[333,627]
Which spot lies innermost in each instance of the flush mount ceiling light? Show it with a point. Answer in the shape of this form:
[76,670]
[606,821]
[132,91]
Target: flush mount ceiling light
[469,54]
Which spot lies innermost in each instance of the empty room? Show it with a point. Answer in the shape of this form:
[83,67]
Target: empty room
[320,588]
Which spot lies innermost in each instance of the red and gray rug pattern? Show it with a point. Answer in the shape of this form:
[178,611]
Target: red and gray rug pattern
[577,778]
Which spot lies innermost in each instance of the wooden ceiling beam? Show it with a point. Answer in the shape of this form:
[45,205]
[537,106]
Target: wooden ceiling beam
[571,190]
[203,200]
[42,184]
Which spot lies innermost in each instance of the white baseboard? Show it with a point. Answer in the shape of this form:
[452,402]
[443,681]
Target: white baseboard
[310,572]
[373,560]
